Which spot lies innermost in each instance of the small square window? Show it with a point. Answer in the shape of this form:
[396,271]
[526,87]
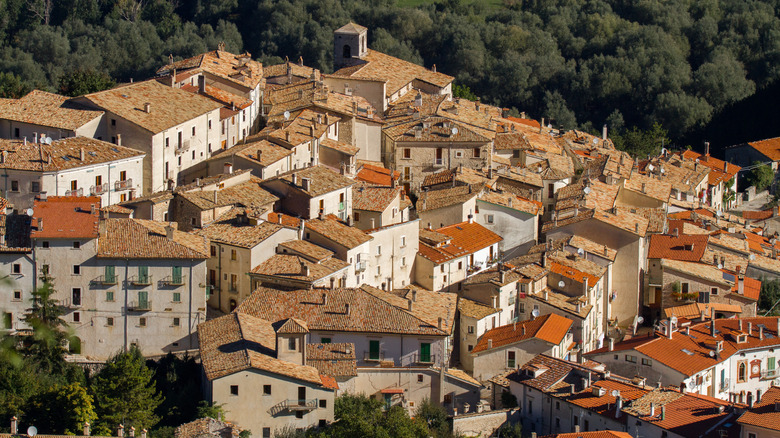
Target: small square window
[110,321]
[299,414]
[291,344]
[76,316]
[177,297]
[76,269]
[176,322]
[213,251]
[142,322]
[322,423]
[45,244]
[266,432]
[233,254]
[266,389]
[17,268]
[233,389]
[471,347]
[419,378]
[76,244]
[113,122]
[109,295]
[35,186]
[323,403]
[14,186]
[471,329]
[17,295]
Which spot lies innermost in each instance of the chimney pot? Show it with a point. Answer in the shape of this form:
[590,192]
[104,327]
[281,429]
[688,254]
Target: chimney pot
[490,344]
[409,305]
[169,231]
[14,425]
[86,428]
[148,108]
[346,309]
[119,139]
[120,432]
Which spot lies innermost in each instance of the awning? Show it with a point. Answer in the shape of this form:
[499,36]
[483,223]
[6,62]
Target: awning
[392,391]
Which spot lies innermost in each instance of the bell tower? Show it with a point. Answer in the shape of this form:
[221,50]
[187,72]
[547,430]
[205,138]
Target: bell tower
[350,45]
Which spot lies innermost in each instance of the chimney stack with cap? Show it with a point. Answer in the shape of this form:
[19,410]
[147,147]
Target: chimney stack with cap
[148,108]
[87,431]
[14,425]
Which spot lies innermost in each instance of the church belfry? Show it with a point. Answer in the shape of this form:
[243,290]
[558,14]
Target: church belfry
[350,44]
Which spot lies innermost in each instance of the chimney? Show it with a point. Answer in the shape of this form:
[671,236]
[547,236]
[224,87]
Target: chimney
[332,283]
[706,148]
[441,323]
[169,231]
[132,431]
[81,154]
[523,329]
[300,229]
[740,325]
[604,132]
[305,184]
[287,136]
[750,328]
[227,168]
[618,406]
[611,344]
[761,332]
[712,324]
[433,68]
[295,179]
[120,432]
[86,428]
[143,433]
[14,425]
[577,428]
[643,188]
[471,218]
[373,222]
[676,232]
[119,139]
[490,344]
[305,271]
[663,412]
[652,409]
[311,131]
[35,138]
[148,108]
[202,84]
[409,305]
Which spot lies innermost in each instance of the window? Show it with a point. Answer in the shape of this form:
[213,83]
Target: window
[477,152]
[266,432]
[379,250]
[16,132]
[291,344]
[530,406]
[522,308]
[299,414]
[557,406]
[14,186]
[419,378]
[76,296]
[193,131]
[76,269]
[209,124]
[550,191]
[233,389]
[471,347]
[109,295]
[714,291]
[378,271]
[325,340]
[425,352]
[407,153]
[213,251]
[471,329]
[742,372]
[357,217]
[233,255]
[167,142]
[76,316]
[45,244]
[685,288]
[489,218]
[142,321]
[17,295]
[323,403]
[630,358]
[460,265]
[510,359]
[76,244]
[647,362]
[373,350]
[704,297]
[770,362]
[110,321]
[74,185]
[176,322]
[266,389]
[17,268]
[177,297]
[35,186]
[233,282]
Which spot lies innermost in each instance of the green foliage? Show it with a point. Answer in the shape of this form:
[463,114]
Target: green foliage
[761,176]
[510,431]
[641,143]
[245,433]
[178,382]
[434,416]
[61,409]
[676,287]
[125,394]
[463,91]
[80,82]
[12,87]
[769,295]
[206,409]
[358,415]
[508,400]
[45,348]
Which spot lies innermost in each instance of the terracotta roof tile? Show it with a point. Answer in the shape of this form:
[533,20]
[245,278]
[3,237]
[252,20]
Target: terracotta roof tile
[474,309]
[465,238]
[592,434]
[322,180]
[764,414]
[373,198]
[249,194]
[769,147]
[376,175]
[338,232]
[61,154]
[145,239]
[684,247]
[435,199]
[722,172]
[651,187]
[758,215]
[240,69]
[234,228]
[66,217]
[293,267]
[509,200]
[47,109]
[284,220]
[592,247]
[305,249]
[256,149]
[336,360]
[549,328]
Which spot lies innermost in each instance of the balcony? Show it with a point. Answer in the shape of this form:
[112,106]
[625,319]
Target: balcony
[724,385]
[301,405]
[99,189]
[105,280]
[71,304]
[341,206]
[424,359]
[123,185]
[183,146]
[770,374]
[140,280]
[438,162]
[173,280]
[360,267]
[140,306]
[77,192]
[373,356]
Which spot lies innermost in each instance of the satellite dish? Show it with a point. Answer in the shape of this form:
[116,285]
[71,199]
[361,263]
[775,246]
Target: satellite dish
[587,190]
[615,393]
[595,141]
[48,140]
[32,431]
[454,131]
[640,320]
[712,353]
[580,252]
[561,284]
[286,115]
[535,313]
[752,256]
[29,212]
[720,266]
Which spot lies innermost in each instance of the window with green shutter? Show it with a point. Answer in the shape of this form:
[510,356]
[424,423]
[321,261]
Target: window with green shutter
[143,274]
[177,297]
[176,275]
[373,350]
[143,299]
[770,363]
[110,275]
[109,295]
[425,352]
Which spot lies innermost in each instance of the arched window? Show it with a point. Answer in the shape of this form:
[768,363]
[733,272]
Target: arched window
[347,53]
[741,372]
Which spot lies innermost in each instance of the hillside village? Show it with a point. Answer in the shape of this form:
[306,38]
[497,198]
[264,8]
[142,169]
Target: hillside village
[308,235]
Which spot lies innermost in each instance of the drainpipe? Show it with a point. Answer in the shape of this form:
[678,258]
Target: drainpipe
[127,269]
[189,309]
[219,274]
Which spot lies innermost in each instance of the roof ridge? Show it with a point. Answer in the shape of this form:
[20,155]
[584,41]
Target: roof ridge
[403,311]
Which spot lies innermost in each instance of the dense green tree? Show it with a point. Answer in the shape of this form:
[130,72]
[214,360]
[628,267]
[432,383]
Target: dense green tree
[641,143]
[510,431]
[12,87]
[45,347]
[769,296]
[434,416]
[125,394]
[178,382]
[61,409]
[80,82]
[761,176]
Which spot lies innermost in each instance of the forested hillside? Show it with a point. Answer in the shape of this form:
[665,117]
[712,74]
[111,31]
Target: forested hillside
[581,63]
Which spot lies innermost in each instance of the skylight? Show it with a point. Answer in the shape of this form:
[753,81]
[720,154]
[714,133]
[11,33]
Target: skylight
[688,352]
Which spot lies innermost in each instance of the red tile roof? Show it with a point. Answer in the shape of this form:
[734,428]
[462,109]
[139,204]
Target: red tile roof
[286,220]
[594,434]
[551,328]
[376,175]
[572,273]
[465,238]
[758,215]
[685,247]
[764,414]
[721,171]
[769,147]
[61,217]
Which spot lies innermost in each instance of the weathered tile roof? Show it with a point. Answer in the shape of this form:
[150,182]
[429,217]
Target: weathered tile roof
[758,215]
[66,153]
[293,267]
[338,232]
[554,371]
[592,247]
[376,175]
[694,310]
[722,171]
[769,147]
[434,199]
[258,150]
[15,230]
[474,309]
[145,239]
[234,228]
[323,180]
[434,129]
[207,428]
[239,69]
[234,102]
[700,270]
[764,413]
[684,414]
[510,200]
[169,106]
[42,108]
[370,198]
[342,310]
[685,247]
[575,267]
[429,306]
[650,187]
[284,220]
[294,69]
[340,146]
[337,359]
[305,249]
[465,238]
[550,328]
[238,342]
[395,72]
[599,399]
[576,306]
[61,217]
[291,325]
[249,194]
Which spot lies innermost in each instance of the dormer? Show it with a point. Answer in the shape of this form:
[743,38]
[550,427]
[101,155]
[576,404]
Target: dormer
[291,340]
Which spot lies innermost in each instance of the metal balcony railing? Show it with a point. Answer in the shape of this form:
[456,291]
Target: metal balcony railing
[140,280]
[770,374]
[373,356]
[105,279]
[99,189]
[425,359]
[360,266]
[77,192]
[173,280]
[301,405]
[140,306]
[123,185]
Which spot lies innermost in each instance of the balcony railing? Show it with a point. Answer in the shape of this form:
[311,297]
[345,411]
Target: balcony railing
[724,385]
[173,280]
[123,185]
[301,405]
[373,356]
[77,192]
[105,280]
[424,358]
[360,266]
[140,280]
[770,374]
[140,306]
[341,206]
[99,189]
